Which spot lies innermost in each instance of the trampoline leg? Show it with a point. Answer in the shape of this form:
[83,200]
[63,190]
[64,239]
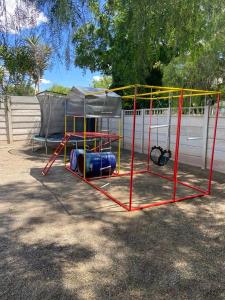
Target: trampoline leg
[32,145]
[46,149]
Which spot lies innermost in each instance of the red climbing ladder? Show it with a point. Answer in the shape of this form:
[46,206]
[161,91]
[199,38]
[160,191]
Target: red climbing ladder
[56,153]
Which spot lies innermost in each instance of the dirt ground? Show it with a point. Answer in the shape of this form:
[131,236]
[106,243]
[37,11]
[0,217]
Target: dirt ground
[61,239]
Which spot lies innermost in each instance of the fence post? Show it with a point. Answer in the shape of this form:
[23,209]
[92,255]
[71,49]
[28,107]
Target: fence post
[143,131]
[205,136]
[8,119]
[122,115]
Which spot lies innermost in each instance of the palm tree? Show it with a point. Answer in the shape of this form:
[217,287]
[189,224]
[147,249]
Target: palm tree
[40,55]
[1,78]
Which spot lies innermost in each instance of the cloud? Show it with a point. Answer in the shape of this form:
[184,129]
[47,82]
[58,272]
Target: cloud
[97,78]
[45,81]
[20,15]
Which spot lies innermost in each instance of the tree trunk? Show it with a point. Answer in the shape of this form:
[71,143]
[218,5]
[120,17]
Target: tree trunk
[38,83]
[35,88]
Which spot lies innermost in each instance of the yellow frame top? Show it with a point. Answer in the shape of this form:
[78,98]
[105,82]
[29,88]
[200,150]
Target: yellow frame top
[157,91]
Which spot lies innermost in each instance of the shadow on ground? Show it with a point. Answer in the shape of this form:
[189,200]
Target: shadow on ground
[171,252]
[34,271]
[61,239]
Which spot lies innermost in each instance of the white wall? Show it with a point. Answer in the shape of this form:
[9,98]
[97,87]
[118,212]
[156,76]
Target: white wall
[20,119]
[193,151]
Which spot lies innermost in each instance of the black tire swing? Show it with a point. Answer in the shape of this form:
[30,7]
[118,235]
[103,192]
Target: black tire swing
[158,155]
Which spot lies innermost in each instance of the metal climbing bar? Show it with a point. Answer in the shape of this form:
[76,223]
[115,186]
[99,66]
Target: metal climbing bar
[132,150]
[55,154]
[149,134]
[214,144]
[100,140]
[176,159]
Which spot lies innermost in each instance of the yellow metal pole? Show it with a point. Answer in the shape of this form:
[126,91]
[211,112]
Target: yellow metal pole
[65,130]
[158,87]
[152,93]
[119,145]
[169,89]
[167,97]
[85,131]
[121,88]
[110,90]
[174,88]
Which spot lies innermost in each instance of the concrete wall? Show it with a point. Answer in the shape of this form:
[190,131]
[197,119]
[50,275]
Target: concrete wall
[19,118]
[3,123]
[196,134]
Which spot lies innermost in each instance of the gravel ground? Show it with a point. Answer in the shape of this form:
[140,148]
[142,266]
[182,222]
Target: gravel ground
[60,239]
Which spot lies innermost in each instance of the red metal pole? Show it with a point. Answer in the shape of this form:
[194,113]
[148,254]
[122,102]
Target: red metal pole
[166,202]
[214,144]
[99,189]
[175,170]
[116,175]
[180,182]
[132,150]
[149,134]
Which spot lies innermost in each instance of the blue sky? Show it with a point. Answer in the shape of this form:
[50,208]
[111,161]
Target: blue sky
[58,74]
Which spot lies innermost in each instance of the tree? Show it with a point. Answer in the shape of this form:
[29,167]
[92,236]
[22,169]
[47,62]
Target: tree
[204,66]
[1,78]
[102,82]
[59,89]
[23,65]
[129,39]
[133,40]
[54,20]
[23,89]
[15,61]
[40,55]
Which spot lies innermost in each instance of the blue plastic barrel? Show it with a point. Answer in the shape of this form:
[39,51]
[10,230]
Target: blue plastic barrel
[73,158]
[97,164]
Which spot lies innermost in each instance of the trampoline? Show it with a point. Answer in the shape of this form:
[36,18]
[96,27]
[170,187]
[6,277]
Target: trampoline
[54,140]
[54,108]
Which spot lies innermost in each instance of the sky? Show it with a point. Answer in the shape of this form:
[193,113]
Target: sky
[57,73]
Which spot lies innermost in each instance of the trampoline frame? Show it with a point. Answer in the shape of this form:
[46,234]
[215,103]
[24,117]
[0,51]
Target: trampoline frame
[45,141]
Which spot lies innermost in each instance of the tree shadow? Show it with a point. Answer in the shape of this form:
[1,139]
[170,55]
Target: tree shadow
[167,254]
[33,269]
[74,196]
[172,252]
[57,226]
[147,188]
